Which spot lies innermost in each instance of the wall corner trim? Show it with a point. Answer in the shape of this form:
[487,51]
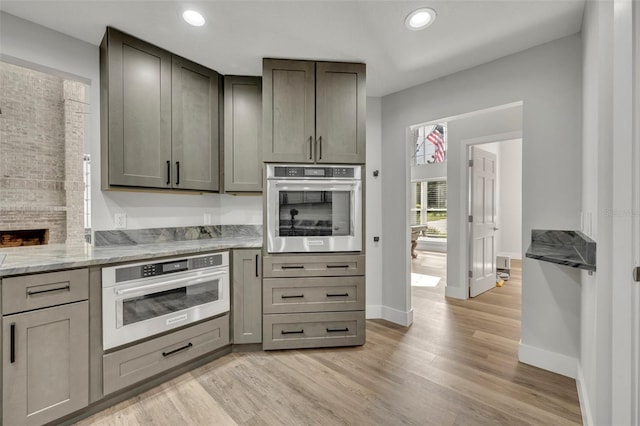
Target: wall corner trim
[583,398]
[396,316]
[374,311]
[547,360]
[456,292]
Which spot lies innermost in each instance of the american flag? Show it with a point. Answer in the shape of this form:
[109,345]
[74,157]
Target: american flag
[436,137]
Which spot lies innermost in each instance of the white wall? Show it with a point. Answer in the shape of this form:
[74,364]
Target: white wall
[373,225]
[547,79]
[510,203]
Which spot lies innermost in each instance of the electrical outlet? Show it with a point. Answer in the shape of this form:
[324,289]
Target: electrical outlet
[120,220]
[207,218]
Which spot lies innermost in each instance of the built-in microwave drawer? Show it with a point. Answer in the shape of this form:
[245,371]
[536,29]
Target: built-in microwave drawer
[28,292]
[135,363]
[313,330]
[290,295]
[313,266]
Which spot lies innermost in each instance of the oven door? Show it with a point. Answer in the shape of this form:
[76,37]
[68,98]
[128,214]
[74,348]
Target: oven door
[314,216]
[142,308]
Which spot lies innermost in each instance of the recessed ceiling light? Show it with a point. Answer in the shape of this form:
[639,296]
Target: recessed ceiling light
[194,18]
[420,19]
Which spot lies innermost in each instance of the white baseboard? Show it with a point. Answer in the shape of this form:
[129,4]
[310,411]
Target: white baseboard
[373,312]
[396,316]
[513,255]
[583,397]
[547,360]
[456,292]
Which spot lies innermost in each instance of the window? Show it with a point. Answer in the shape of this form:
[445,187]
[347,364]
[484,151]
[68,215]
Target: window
[430,143]
[429,199]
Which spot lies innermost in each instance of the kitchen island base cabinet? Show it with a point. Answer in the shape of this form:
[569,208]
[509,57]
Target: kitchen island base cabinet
[133,364]
[45,364]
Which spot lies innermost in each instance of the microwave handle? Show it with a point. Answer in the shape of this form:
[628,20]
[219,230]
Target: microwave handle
[170,283]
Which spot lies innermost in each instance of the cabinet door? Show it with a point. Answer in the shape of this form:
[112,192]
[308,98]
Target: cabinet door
[288,99]
[247,296]
[45,364]
[242,134]
[195,138]
[340,112]
[139,112]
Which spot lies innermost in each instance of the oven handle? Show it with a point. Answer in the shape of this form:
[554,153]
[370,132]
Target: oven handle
[170,284]
[348,183]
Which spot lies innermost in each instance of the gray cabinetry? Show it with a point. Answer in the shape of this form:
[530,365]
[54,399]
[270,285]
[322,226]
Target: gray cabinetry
[45,352]
[313,112]
[159,117]
[313,301]
[247,296]
[194,126]
[242,134]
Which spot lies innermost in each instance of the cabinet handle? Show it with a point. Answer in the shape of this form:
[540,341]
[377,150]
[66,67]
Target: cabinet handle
[337,330]
[175,351]
[291,296]
[33,293]
[293,267]
[320,147]
[12,350]
[257,275]
[177,173]
[168,172]
[292,331]
[310,147]
[337,294]
[337,266]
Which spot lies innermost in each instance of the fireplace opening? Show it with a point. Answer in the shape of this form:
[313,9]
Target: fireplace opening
[24,237]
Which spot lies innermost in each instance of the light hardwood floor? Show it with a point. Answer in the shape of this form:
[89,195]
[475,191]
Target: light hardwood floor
[456,365]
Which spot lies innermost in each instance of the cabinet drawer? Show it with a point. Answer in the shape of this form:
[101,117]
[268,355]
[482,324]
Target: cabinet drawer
[315,330]
[135,363]
[36,291]
[289,295]
[313,266]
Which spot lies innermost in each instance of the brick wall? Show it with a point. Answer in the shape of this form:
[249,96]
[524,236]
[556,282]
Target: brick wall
[41,148]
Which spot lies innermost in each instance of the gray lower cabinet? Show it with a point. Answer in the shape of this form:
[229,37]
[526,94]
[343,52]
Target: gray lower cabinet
[242,134]
[45,364]
[159,117]
[314,112]
[313,301]
[247,296]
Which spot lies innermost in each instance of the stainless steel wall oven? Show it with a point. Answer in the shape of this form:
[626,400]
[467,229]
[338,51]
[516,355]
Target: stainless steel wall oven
[314,208]
[143,299]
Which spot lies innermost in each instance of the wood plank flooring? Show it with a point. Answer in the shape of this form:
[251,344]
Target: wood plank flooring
[456,365]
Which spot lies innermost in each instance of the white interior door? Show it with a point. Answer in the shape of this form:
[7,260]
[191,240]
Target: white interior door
[482,256]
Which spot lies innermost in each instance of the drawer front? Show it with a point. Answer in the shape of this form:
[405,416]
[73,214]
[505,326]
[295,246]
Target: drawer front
[290,295]
[28,292]
[313,266]
[136,363]
[315,330]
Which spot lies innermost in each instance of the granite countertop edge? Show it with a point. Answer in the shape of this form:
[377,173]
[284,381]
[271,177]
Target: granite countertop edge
[25,260]
[558,254]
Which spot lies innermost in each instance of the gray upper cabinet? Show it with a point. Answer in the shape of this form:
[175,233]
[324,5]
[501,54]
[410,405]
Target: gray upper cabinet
[194,109]
[242,134]
[159,117]
[45,364]
[247,296]
[313,112]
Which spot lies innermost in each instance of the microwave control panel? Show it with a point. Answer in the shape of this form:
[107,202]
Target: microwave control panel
[147,270]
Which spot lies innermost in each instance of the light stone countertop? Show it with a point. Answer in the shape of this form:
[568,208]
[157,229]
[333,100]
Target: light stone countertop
[26,260]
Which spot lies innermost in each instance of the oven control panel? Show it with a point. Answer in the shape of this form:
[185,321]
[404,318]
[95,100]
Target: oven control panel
[313,172]
[147,270]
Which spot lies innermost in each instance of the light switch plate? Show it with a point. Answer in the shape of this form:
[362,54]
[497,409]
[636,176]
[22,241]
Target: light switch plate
[120,220]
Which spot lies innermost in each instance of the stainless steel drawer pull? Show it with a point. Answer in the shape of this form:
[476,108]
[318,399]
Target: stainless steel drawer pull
[175,351]
[292,266]
[337,294]
[51,290]
[291,296]
[292,331]
[337,266]
[337,330]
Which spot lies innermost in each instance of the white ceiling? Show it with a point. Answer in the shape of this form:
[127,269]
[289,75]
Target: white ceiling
[239,33]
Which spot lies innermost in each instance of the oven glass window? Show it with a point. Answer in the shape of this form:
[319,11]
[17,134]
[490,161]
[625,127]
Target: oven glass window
[154,305]
[314,213]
